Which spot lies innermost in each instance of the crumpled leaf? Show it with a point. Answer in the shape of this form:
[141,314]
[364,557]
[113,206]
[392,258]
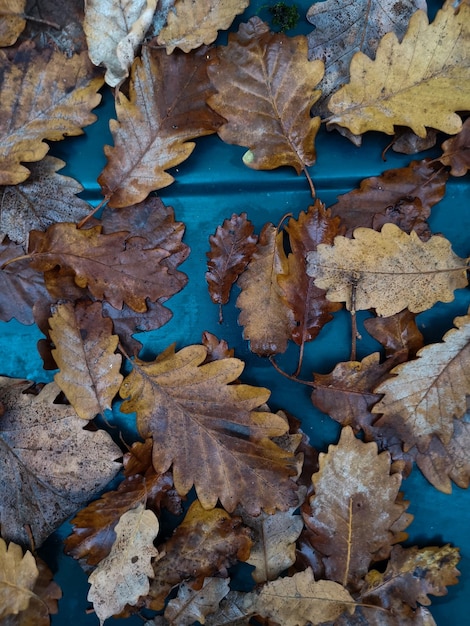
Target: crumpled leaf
[117,267]
[415,83]
[344,28]
[265,316]
[412,574]
[163,120]
[231,249]
[390,192]
[114,29]
[355,514]
[123,576]
[36,435]
[204,544]
[387,271]
[300,600]
[231,611]
[12,21]
[44,95]
[85,353]
[194,23]
[44,198]
[456,151]
[192,605]
[184,405]
[399,334]
[265,90]
[425,394]
[18,575]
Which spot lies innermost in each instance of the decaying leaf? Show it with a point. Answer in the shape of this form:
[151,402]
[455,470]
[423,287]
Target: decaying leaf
[44,95]
[123,576]
[399,334]
[18,575]
[184,405]
[114,30]
[387,270]
[194,23]
[85,355]
[456,151]
[192,605]
[12,21]
[231,248]
[355,514]
[204,544]
[38,489]
[155,125]
[415,83]
[344,28]
[44,198]
[425,394]
[265,316]
[265,90]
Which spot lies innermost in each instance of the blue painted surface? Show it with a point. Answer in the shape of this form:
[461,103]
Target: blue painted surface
[211,185]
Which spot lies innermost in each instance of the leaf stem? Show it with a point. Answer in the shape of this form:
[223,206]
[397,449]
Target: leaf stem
[289,376]
[309,180]
[85,219]
[17,258]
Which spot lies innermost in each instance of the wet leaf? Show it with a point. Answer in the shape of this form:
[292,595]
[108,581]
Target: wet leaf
[456,151]
[399,334]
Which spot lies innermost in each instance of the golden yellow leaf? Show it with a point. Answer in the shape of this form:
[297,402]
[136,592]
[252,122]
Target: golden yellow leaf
[18,575]
[12,21]
[194,23]
[420,82]
[387,270]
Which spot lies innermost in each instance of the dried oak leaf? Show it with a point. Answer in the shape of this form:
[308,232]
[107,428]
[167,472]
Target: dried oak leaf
[310,308]
[117,267]
[114,30]
[399,334]
[36,435]
[415,83]
[204,544]
[85,353]
[300,600]
[12,21]
[123,576]
[193,605]
[342,29]
[265,90]
[187,405]
[191,23]
[387,270]
[44,198]
[356,513]
[155,124]
[425,394]
[44,95]
[231,249]
[412,574]
[216,349]
[265,316]
[456,151]
[18,575]
[394,194]
[21,286]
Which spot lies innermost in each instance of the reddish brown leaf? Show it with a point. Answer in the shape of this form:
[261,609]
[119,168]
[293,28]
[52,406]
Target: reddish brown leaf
[117,267]
[266,318]
[391,192]
[399,334]
[216,349]
[155,125]
[266,89]
[308,303]
[231,249]
[456,151]
[204,544]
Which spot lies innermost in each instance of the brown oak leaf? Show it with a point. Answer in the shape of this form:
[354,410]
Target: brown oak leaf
[265,90]
[456,151]
[44,95]
[185,404]
[204,544]
[216,349]
[399,334]
[154,126]
[36,435]
[231,249]
[355,514]
[265,316]
[194,604]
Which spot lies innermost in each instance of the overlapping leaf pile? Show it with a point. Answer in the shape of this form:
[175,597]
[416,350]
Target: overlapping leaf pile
[321,532]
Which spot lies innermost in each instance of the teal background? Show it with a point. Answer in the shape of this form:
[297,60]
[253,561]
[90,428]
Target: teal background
[211,185]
